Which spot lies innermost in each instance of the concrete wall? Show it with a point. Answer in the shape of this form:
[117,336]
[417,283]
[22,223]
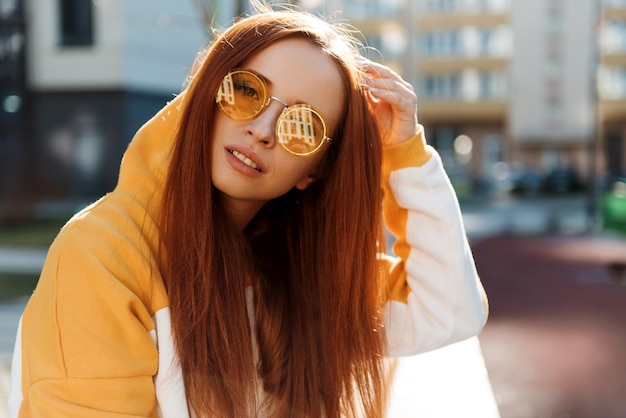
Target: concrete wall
[145,45]
[551,75]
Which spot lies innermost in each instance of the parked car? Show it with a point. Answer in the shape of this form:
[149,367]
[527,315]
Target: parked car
[510,178]
[561,180]
[524,180]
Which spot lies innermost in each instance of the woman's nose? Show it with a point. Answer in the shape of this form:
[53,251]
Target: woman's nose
[263,127]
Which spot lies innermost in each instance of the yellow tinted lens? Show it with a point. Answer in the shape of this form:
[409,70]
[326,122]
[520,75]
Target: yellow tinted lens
[301,130]
[242,95]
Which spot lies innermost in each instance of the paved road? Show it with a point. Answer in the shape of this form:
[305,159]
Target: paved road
[423,387]
[555,341]
[451,382]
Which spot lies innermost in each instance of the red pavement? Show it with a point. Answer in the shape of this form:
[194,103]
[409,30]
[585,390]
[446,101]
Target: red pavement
[555,342]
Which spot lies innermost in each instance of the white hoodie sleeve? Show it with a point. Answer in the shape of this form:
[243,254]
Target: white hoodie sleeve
[435,294]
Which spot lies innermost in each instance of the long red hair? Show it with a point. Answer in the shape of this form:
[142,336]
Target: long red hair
[309,256]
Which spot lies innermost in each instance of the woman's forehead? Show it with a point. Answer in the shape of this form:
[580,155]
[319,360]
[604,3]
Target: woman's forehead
[299,71]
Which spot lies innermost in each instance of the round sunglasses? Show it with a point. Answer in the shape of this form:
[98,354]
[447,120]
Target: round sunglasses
[300,129]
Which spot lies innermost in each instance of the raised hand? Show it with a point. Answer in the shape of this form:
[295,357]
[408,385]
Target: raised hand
[393,102]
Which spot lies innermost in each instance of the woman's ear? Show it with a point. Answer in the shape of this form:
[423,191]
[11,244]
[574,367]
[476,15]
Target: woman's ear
[305,182]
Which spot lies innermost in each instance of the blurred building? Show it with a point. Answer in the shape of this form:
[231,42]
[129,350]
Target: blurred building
[508,84]
[612,85]
[12,96]
[552,106]
[537,86]
[463,62]
[79,77]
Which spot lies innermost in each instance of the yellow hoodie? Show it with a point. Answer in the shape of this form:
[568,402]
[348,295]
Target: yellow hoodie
[95,338]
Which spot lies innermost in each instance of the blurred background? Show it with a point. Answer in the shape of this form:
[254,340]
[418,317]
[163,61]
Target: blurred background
[525,101]
[522,97]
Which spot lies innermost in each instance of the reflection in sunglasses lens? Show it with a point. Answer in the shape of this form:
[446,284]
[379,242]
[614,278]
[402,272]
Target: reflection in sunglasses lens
[243,95]
[300,129]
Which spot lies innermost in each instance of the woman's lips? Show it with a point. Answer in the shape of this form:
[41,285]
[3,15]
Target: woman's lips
[247,161]
[244,161]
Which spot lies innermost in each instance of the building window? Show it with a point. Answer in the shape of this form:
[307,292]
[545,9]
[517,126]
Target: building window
[493,85]
[555,8]
[554,47]
[612,83]
[442,6]
[615,3]
[486,38]
[554,93]
[613,36]
[553,103]
[76,18]
[441,86]
[442,43]
[359,8]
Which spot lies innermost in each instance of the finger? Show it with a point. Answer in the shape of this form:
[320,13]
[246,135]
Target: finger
[391,81]
[397,100]
[398,95]
[393,85]
[379,71]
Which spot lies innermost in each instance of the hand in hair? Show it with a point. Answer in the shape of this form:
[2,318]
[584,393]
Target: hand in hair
[393,102]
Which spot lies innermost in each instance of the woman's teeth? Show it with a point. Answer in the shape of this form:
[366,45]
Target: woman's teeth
[247,161]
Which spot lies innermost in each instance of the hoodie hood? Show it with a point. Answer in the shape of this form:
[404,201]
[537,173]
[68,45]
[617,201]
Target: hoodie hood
[145,163]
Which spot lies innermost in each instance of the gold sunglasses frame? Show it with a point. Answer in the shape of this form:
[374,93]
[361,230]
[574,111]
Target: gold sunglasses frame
[267,98]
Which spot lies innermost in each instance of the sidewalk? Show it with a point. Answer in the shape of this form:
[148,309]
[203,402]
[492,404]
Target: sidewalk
[555,341]
[446,383]
[451,382]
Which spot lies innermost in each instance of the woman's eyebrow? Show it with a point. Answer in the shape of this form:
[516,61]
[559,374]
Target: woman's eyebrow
[263,78]
[269,83]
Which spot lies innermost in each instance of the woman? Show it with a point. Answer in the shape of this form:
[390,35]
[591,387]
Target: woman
[237,269]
